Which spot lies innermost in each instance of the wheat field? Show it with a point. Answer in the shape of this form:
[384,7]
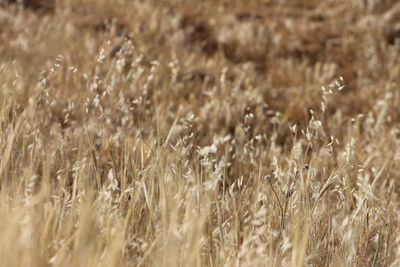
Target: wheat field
[199,133]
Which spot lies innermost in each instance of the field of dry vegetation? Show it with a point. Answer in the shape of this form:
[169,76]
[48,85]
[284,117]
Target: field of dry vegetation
[199,133]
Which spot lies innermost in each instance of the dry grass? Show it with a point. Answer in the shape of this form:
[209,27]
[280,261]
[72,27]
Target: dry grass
[196,133]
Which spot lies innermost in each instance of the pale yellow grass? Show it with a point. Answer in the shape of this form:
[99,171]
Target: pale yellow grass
[199,133]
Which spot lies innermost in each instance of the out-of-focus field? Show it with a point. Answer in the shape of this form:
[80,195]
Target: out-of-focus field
[199,133]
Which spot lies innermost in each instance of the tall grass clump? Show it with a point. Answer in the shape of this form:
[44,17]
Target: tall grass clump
[199,133]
